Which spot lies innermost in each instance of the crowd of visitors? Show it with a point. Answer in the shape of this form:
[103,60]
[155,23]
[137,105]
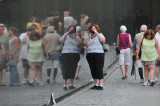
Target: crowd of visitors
[44,45]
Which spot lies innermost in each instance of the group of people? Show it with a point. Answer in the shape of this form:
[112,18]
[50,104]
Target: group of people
[42,43]
[53,50]
[145,49]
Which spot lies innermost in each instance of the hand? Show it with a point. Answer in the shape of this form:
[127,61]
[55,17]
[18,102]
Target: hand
[68,31]
[137,57]
[134,54]
[95,31]
[89,35]
[158,58]
[47,57]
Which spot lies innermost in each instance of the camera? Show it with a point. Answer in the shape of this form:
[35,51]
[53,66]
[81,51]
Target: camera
[72,31]
[92,31]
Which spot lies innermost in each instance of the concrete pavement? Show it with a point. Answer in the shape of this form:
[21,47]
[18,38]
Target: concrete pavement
[116,92]
[25,95]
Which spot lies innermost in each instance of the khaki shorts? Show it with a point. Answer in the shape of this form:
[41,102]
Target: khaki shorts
[51,63]
[124,56]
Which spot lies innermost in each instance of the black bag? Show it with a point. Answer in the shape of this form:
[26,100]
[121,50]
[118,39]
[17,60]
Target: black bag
[117,50]
[105,47]
[140,51]
[82,50]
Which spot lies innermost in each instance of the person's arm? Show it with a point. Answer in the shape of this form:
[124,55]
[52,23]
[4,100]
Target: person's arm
[60,26]
[157,47]
[62,39]
[7,49]
[2,50]
[101,38]
[130,41]
[134,46]
[24,40]
[138,49]
[16,46]
[117,40]
[85,42]
[45,49]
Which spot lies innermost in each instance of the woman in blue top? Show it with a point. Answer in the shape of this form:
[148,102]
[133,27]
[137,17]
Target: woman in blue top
[70,54]
[95,55]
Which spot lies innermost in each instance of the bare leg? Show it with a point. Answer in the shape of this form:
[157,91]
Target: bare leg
[71,81]
[146,72]
[96,81]
[40,73]
[65,82]
[151,67]
[101,82]
[32,73]
[126,70]
[121,66]
[77,70]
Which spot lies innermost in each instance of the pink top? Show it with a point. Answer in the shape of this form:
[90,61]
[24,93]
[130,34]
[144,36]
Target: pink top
[124,41]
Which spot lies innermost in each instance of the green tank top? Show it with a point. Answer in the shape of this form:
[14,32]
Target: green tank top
[35,53]
[149,52]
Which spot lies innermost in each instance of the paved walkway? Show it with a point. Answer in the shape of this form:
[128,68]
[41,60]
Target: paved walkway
[116,92]
[25,95]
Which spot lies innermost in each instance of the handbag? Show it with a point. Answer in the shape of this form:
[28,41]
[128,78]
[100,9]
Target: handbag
[117,50]
[105,47]
[82,50]
[140,51]
[14,61]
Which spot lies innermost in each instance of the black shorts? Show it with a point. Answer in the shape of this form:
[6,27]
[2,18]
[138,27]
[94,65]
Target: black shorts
[25,63]
[3,64]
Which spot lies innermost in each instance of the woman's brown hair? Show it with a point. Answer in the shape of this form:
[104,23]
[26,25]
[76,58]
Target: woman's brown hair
[14,30]
[149,32]
[74,28]
[34,36]
[96,26]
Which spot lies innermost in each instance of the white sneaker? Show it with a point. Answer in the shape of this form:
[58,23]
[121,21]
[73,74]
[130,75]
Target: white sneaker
[25,82]
[141,80]
[41,83]
[156,81]
[146,83]
[37,82]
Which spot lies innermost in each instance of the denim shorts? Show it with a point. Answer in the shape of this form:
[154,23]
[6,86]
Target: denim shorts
[54,56]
